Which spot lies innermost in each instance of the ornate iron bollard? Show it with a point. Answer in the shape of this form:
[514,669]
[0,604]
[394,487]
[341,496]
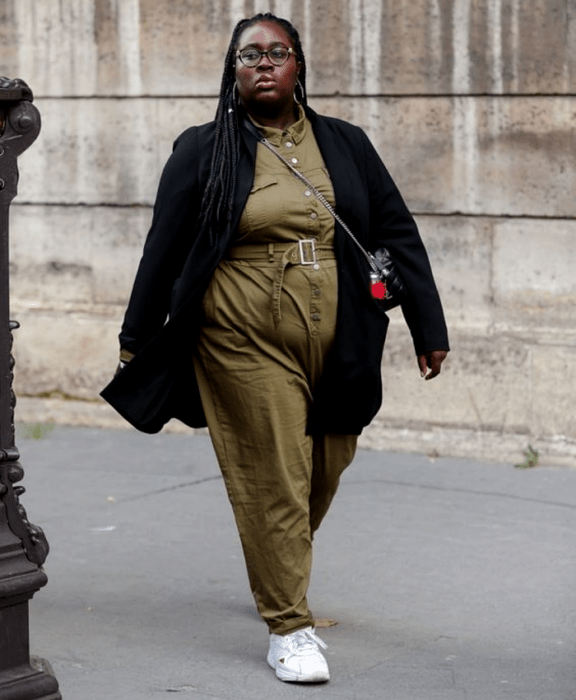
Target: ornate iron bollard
[23,546]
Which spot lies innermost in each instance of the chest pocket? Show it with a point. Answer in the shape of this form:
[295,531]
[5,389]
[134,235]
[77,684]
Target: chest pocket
[265,206]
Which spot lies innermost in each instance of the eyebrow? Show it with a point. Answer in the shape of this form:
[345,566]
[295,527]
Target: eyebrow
[257,45]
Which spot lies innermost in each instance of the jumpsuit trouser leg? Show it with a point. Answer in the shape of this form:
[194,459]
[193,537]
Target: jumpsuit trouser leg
[256,375]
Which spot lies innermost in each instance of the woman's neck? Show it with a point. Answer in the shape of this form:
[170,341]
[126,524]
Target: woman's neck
[272,117]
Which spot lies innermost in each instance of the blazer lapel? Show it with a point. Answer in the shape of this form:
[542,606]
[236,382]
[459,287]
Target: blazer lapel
[338,167]
[245,174]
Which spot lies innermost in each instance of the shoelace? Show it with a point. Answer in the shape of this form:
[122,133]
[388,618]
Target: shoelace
[305,640]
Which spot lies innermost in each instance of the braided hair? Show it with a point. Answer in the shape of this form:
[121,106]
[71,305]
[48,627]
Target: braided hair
[218,199]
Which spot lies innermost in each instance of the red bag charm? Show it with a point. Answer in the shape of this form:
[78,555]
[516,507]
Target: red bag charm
[377,286]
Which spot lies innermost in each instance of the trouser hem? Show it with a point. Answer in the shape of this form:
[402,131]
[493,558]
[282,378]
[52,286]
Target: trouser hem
[289,626]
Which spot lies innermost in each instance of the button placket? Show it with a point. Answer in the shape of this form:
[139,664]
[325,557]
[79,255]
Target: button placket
[315,315]
[313,217]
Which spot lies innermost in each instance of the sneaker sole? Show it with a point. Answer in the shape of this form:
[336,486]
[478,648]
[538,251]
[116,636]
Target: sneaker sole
[288,676]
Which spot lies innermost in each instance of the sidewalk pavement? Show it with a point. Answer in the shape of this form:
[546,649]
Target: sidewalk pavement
[450,580]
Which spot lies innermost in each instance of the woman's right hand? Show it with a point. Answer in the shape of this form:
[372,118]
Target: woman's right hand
[431,361]
[125,357]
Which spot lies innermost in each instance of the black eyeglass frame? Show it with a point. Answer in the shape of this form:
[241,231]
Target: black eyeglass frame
[290,51]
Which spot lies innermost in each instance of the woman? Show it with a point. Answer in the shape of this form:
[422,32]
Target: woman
[273,339]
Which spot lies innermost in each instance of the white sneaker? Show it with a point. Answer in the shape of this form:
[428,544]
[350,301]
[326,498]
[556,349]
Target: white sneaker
[296,657]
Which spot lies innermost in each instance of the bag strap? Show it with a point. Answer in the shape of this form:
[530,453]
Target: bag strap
[374,263]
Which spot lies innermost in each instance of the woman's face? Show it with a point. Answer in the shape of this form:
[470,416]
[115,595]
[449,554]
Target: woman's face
[266,84]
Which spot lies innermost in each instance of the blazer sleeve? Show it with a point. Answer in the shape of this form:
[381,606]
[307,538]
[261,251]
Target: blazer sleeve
[167,244]
[392,226]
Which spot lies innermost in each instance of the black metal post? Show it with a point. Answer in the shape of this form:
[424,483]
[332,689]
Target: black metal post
[23,546]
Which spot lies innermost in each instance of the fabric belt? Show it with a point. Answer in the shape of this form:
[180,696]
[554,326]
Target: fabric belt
[303,252]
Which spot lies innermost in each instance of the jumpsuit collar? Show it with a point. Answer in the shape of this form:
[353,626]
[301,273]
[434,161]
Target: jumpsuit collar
[294,133]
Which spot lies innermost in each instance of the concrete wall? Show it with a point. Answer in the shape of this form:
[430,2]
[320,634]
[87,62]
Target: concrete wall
[472,105]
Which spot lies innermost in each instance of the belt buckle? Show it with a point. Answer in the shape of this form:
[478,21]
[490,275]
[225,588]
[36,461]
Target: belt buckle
[307,250]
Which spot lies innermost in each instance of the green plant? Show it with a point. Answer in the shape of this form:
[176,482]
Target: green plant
[36,431]
[531,459]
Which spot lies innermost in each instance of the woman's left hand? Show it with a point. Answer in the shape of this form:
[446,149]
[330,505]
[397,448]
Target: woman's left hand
[433,361]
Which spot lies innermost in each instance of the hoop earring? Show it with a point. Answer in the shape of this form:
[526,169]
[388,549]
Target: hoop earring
[302,94]
[235,98]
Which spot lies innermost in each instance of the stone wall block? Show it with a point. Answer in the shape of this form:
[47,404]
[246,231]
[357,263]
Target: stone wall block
[460,252]
[413,137]
[534,277]
[9,63]
[93,152]
[553,400]
[65,258]
[496,156]
[523,157]
[74,354]
[55,52]
[183,45]
[176,115]
[516,47]
[507,157]
[177,47]
[105,151]
[485,384]
[49,258]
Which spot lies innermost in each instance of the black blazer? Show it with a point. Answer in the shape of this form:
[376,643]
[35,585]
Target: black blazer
[176,267]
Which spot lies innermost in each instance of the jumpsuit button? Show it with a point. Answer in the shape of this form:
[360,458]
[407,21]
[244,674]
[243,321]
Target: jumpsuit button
[315,317]
[313,215]
[288,144]
[317,292]
[294,160]
[307,193]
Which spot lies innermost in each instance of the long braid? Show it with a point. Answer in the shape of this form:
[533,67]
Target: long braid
[218,200]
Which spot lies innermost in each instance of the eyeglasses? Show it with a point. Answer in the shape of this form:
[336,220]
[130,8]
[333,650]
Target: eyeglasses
[251,57]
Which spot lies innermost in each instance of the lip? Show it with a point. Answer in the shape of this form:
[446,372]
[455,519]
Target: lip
[266,81]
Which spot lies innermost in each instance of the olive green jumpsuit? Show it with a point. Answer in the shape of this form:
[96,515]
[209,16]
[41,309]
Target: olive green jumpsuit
[270,319]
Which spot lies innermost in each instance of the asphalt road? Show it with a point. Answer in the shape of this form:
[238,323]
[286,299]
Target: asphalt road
[450,580]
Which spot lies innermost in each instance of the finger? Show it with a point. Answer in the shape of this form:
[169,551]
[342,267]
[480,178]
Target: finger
[435,363]
[423,364]
[434,372]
